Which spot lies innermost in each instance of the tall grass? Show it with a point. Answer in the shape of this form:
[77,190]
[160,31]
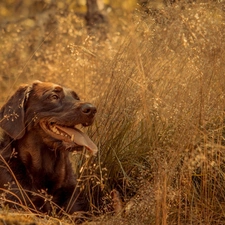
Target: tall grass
[158,84]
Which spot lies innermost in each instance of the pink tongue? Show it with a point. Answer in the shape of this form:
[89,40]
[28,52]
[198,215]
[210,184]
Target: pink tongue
[80,138]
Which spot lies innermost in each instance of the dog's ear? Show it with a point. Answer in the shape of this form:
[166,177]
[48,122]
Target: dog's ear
[12,113]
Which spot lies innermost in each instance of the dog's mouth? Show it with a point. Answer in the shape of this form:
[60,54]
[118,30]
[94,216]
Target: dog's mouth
[70,135]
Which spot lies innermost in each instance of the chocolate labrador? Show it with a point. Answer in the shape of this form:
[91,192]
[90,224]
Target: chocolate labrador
[38,131]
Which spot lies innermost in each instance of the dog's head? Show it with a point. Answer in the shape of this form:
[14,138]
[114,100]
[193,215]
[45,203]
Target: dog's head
[51,108]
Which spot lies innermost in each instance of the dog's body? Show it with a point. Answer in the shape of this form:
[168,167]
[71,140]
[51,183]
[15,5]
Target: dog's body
[38,124]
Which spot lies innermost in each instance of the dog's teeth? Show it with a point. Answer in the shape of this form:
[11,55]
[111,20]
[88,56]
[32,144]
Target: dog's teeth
[54,129]
[72,137]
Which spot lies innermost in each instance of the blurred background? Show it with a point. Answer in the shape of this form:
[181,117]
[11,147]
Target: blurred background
[155,70]
[53,27]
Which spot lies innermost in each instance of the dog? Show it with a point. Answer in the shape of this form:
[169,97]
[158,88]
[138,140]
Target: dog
[38,125]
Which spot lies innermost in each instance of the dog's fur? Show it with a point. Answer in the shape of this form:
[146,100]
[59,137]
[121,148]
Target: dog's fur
[34,155]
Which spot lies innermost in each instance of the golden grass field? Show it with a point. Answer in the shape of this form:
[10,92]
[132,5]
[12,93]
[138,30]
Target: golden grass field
[158,83]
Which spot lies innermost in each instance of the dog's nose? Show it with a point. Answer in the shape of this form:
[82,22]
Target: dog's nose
[88,109]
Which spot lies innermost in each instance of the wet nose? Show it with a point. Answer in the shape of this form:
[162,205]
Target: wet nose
[88,109]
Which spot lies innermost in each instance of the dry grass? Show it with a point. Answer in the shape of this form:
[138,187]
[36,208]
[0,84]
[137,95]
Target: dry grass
[158,82]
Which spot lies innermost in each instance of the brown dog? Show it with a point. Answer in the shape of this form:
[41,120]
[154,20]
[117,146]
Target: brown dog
[39,131]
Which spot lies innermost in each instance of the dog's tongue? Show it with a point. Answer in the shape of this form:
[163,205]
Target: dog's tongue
[80,138]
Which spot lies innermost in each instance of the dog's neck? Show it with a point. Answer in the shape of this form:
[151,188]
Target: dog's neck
[44,162]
